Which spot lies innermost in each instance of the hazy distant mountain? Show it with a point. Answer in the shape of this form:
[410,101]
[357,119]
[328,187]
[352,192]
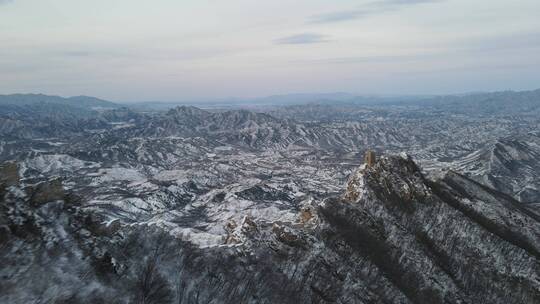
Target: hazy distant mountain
[473,103]
[495,103]
[38,115]
[300,98]
[76,101]
[277,100]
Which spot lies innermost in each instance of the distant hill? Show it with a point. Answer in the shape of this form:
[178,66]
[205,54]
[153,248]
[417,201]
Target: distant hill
[77,101]
[38,115]
[494,103]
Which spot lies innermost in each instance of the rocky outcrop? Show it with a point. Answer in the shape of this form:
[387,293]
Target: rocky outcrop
[46,191]
[9,174]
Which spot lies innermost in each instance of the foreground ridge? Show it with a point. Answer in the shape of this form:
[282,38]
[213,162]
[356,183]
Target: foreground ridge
[393,236]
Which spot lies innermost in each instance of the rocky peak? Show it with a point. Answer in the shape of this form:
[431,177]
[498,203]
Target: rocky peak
[388,178]
[186,116]
[185,111]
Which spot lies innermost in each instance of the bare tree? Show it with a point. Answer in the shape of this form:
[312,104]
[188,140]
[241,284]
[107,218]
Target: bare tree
[151,287]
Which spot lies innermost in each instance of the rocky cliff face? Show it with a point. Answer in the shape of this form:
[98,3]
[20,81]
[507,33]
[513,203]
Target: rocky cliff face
[392,237]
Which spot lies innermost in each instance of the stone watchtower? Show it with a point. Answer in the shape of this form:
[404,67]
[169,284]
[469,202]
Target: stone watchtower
[369,158]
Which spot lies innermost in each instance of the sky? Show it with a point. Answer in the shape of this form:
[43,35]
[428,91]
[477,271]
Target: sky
[176,50]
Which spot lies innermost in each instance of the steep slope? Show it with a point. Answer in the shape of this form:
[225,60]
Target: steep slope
[465,238]
[510,165]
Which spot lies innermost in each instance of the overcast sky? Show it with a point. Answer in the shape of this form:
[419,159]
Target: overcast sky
[172,50]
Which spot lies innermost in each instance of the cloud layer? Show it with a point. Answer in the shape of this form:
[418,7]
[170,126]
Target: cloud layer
[305,38]
[200,49]
[372,8]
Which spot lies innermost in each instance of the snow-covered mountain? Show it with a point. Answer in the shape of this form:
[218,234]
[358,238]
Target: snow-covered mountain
[393,236]
[268,206]
[511,165]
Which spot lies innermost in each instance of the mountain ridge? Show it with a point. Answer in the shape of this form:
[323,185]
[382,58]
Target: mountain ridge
[392,236]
